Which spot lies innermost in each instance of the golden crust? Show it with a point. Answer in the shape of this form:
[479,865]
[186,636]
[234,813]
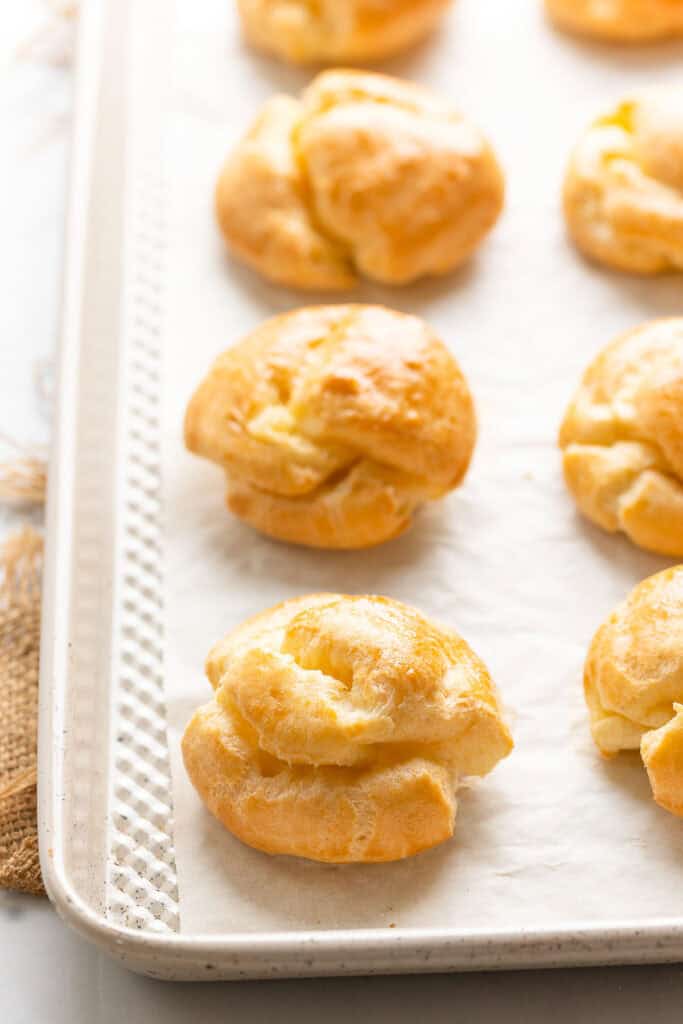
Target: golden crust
[662,751]
[619,20]
[334,424]
[623,189]
[365,174]
[263,210]
[622,438]
[340,728]
[329,31]
[633,682]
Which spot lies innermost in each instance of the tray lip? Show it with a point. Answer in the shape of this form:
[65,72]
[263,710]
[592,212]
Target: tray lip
[483,948]
[365,950]
[59,494]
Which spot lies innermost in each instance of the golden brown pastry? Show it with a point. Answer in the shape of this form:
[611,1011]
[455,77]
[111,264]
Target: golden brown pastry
[340,728]
[334,423]
[364,174]
[623,190]
[622,438]
[338,30]
[619,20]
[662,752]
[633,682]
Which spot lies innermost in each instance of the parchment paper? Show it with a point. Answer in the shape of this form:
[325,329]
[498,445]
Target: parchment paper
[555,835]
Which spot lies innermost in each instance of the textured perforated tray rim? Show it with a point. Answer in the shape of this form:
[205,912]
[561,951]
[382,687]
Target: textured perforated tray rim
[196,957]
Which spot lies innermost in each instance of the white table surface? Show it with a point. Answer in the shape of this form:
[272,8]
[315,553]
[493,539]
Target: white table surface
[47,973]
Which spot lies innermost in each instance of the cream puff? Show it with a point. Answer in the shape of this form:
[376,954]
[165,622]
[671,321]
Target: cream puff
[334,424]
[629,21]
[340,728]
[329,31]
[623,189]
[633,683]
[363,175]
[622,438]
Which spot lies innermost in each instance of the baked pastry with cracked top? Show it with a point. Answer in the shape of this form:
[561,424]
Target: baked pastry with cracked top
[364,174]
[622,438]
[334,424]
[340,728]
[626,21]
[338,30]
[623,189]
[633,682]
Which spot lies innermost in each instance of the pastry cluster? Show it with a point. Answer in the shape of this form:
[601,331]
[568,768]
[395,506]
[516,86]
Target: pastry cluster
[334,424]
[340,728]
[619,20]
[622,442]
[634,683]
[623,191]
[330,31]
[363,174]
[622,438]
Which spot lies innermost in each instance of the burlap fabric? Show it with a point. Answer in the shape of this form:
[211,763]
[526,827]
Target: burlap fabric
[20,579]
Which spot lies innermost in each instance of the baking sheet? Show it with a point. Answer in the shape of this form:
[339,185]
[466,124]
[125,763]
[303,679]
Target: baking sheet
[555,837]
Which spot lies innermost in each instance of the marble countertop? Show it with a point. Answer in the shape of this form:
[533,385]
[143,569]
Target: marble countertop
[47,973]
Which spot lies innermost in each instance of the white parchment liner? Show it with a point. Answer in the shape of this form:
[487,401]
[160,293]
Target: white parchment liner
[555,836]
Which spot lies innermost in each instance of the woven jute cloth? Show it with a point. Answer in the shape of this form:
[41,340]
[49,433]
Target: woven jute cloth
[21,559]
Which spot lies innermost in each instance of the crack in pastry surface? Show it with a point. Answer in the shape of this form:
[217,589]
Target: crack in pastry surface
[633,682]
[335,687]
[623,191]
[622,437]
[341,727]
[364,174]
[334,424]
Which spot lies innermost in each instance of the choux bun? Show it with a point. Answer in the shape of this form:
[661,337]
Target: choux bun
[363,175]
[330,31]
[623,189]
[633,682]
[340,728]
[334,424]
[622,438]
[626,21]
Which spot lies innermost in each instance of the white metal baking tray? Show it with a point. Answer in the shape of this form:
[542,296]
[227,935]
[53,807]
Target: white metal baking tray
[558,859]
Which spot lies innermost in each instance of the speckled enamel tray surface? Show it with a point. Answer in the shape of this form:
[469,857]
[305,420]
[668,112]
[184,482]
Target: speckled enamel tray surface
[114,835]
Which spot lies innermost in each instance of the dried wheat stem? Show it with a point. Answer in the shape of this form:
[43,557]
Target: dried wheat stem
[21,561]
[23,481]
